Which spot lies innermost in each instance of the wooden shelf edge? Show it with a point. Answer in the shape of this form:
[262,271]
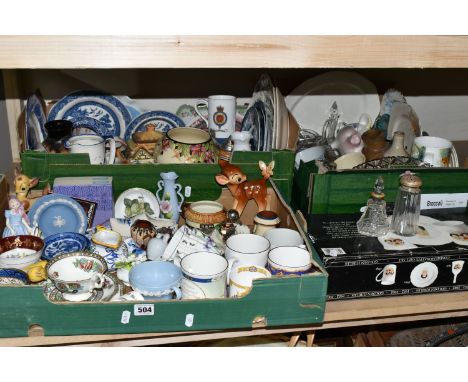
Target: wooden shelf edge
[23,52]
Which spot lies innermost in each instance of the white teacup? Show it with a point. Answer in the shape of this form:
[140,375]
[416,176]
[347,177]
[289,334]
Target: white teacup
[241,279]
[289,261]
[433,150]
[388,274]
[204,276]
[94,145]
[77,274]
[309,154]
[221,114]
[248,249]
[284,237]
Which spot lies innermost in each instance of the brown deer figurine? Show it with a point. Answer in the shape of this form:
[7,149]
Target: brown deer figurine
[243,190]
[23,185]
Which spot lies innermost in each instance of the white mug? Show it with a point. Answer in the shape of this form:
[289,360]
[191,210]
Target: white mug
[388,275]
[204,276]
[241,279]
[433,150]
[248,249]
[221,114]
[289,261]
[94,145]
[284,237]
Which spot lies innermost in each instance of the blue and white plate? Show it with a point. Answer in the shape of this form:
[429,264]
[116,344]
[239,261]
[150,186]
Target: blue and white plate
[35,121]
[163,120]
[55,213]
[65,242]
[254,122]
[105,108]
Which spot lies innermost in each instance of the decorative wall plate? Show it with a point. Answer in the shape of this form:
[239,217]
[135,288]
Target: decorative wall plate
[424,274]
[163,121]
[65,242]
[105,108]
[35,121]
[55,213]
[354,94]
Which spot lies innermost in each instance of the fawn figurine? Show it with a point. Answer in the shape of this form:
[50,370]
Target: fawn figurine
[23,185]
[243,190]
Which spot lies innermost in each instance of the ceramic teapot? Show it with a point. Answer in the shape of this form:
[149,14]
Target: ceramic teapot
[156,246]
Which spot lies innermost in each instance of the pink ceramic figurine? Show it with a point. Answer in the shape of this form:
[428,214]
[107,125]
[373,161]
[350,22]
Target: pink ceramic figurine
[243,190]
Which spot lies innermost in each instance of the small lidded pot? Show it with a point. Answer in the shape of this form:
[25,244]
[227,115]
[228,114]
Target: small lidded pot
[141,232]
[265,221]
[405,217]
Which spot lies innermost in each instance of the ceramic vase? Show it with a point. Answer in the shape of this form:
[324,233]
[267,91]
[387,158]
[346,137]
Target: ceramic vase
[397,149]
[171,198]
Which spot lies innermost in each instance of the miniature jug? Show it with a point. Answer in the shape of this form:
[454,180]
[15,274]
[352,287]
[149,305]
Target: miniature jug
[168,201]
[156,246]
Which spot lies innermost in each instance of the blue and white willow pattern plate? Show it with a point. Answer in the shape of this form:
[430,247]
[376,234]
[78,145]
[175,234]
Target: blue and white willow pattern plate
[35,121]
[65,242]
[105,108]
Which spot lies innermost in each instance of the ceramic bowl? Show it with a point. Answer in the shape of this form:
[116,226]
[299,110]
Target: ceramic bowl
[9,276]
[204,212]
[20,251]
[65,242]
[185,145]
[156,278]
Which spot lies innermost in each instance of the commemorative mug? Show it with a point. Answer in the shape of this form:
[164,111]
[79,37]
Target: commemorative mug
[433,150]
[221,114]
[284,237]
[241,279]
[94,146]
[388,274]
[283,261]
[247,248]
[204,275]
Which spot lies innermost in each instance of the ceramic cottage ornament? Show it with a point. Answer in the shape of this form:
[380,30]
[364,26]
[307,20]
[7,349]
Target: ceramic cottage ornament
[243,190]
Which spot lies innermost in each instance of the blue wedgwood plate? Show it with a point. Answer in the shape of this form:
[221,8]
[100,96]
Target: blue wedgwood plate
[65,242]
[55,213]
[35,121]
[105,108]
[163,120]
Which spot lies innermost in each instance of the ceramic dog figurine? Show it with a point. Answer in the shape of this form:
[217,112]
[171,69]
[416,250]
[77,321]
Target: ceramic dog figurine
[243,190]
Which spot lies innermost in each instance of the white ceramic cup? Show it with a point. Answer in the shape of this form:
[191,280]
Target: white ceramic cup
[289,261]
[284,237]
[248,249]
[433,150]
[204,276]
[221,114]
[241,279]
[94,145]
[388,274]
[309,154]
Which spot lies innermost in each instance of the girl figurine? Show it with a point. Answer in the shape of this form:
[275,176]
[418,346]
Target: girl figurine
[17,222]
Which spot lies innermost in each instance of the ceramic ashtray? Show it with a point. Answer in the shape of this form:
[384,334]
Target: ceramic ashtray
[107,238]
[204,212]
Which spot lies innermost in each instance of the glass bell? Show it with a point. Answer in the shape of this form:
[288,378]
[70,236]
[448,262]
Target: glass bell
[373,221]
[405,217]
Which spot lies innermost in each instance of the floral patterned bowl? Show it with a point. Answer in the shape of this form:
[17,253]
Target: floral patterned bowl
[185,145]
[20,251]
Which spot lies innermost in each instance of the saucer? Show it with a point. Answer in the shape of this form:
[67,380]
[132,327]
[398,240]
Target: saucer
[113,287]
[56,296]
[459,237]
[427,234]
[417,274]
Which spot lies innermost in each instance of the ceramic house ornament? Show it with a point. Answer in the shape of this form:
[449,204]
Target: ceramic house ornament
[243,190]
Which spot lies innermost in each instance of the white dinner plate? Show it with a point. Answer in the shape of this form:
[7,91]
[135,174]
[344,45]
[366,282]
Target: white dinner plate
[354,94]
[424,274]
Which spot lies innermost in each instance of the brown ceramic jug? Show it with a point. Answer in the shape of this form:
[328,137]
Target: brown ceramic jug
[374,144]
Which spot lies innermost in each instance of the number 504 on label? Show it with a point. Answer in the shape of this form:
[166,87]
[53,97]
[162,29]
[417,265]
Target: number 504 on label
[143,310]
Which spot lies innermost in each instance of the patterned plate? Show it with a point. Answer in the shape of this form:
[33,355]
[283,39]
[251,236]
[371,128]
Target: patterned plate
[56,296]
[163,121]
[254,122]
[35,121]
[55,213]
[105,108]
[66,242]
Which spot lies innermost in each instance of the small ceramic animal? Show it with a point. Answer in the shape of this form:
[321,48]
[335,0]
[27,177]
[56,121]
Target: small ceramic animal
[243,190]
[23,185]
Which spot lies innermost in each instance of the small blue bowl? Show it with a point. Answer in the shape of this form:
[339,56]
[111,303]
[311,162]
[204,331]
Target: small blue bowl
[10,276]
[156,278]
[65,242]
